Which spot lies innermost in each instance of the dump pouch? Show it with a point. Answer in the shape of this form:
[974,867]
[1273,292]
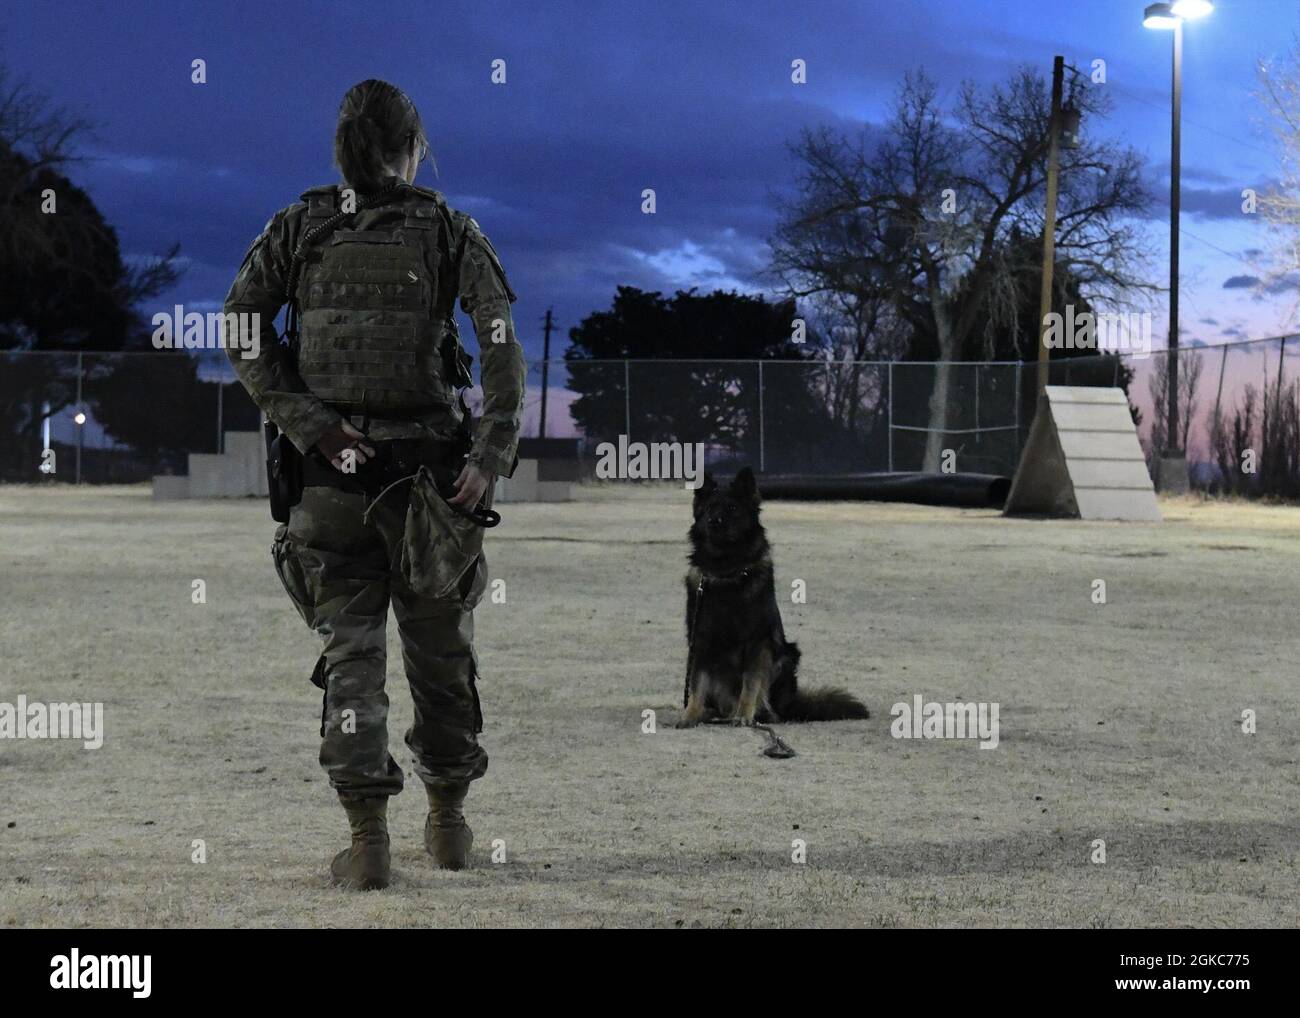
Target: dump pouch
[440,544]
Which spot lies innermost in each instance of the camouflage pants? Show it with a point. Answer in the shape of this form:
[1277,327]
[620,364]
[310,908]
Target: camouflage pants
[339,570]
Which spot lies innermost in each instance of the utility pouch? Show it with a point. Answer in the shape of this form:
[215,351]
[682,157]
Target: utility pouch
[292,575]
[440,544]
[283,472]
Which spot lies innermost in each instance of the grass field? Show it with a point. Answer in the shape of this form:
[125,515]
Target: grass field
[1119,722]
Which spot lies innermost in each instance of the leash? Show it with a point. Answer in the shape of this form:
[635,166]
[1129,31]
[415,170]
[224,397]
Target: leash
[480,515]
[775,747]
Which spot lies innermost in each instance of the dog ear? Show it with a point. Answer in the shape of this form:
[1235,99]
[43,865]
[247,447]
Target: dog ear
[744,484]
[707,487]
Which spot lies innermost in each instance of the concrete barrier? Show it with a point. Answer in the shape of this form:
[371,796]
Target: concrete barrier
[522,487]
[528,485]
[239,472]
[168,487]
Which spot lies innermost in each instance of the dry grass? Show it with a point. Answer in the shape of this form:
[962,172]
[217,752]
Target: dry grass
[1118,722]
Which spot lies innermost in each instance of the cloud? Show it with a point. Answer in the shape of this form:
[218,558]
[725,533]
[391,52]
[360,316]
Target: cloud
[687,264]
[137,165]
[1286,283]
[1204,194]
[1212,202]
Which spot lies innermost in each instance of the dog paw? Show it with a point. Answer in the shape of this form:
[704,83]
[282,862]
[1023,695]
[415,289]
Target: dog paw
[685,723]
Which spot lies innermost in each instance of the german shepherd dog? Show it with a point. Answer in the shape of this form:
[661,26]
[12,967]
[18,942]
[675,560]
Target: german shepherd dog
[741,667]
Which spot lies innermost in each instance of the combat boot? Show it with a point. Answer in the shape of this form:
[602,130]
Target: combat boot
[365,864]
[446,835]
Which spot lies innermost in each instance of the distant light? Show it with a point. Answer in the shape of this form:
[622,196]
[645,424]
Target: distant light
[80,418]
[1190,10]
[1159,16]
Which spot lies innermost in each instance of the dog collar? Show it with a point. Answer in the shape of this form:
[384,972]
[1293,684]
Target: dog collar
[735,577]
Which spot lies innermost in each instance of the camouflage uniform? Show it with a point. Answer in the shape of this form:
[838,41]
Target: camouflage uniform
[338,561]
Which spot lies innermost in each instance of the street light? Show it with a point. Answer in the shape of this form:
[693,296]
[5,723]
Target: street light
[1170,17]
[1190,10]
[1159,16]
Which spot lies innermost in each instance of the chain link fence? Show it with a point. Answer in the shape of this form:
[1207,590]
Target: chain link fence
[796,417]
[116,418]
[1238,409]
[125,417]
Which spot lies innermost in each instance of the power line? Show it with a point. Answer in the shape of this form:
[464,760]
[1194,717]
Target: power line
[1235,257]
[1188,122]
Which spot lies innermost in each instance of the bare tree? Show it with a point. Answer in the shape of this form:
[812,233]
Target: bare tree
[1279,94]
[919,218]
[1233,439]
[1279,462]
[1190,366]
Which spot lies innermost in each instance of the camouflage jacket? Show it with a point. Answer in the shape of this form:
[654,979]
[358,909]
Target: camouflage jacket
[485,296]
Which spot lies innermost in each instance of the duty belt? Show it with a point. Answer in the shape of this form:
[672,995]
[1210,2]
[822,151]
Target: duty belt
[395,460]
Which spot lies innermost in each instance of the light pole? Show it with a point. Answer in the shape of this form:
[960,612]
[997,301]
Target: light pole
[1170,17]
[80,420]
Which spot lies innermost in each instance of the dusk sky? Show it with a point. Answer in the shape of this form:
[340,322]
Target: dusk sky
[602,100]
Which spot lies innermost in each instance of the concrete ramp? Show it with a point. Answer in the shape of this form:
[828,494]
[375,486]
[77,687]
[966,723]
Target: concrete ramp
[1083,460]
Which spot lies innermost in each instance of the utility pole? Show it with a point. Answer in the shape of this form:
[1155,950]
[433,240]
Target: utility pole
[546,368]
[1049,223]
[1173,449]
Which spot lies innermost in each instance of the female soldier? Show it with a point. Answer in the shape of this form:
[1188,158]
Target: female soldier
[367,389]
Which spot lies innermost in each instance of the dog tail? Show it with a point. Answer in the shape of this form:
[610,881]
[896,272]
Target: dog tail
[827,704]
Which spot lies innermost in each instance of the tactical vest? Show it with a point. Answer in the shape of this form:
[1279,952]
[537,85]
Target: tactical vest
[376,332]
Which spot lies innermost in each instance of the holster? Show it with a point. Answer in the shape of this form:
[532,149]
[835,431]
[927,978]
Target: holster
[284,472]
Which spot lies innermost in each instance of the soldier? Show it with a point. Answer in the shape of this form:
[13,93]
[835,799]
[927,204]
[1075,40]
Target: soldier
[368,394]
